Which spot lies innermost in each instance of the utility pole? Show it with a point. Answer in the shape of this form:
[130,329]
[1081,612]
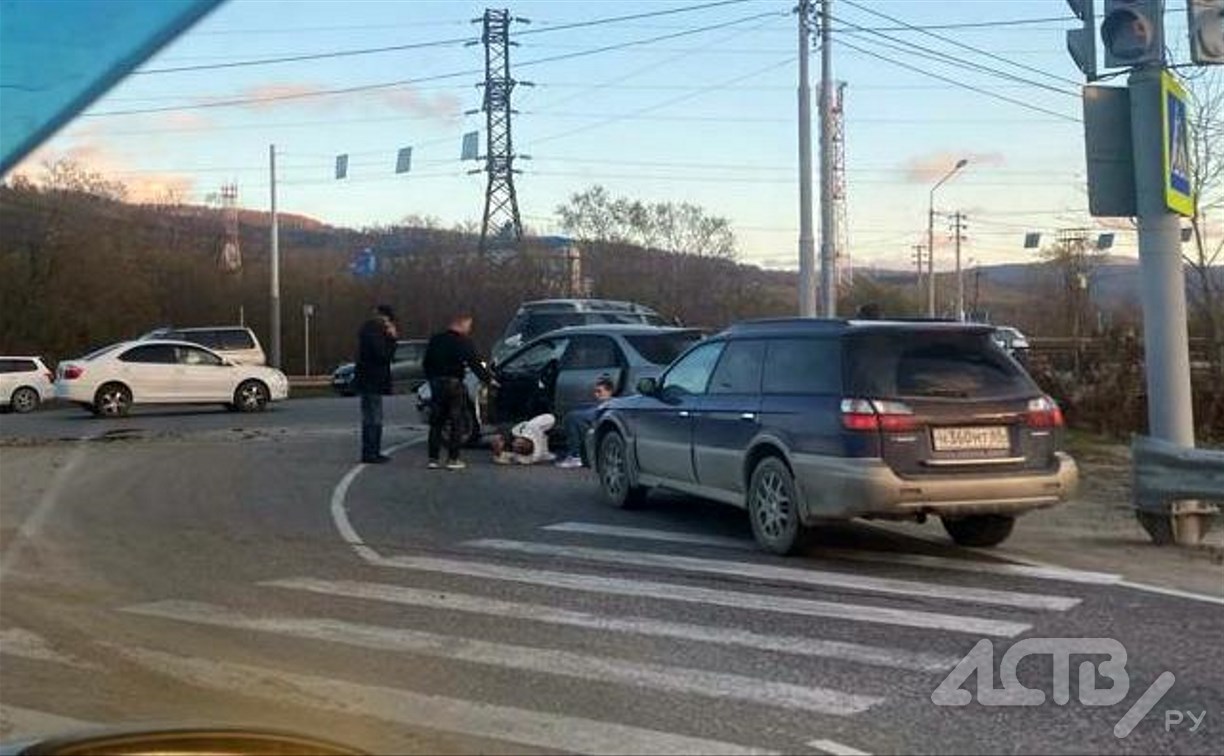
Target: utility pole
[1162,287]
[918,259]
[828,220]
[502,226]
[807,248]
[274,279]
[958,221]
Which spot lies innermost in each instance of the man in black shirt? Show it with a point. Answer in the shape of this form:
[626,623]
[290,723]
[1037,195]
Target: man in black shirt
[372,378]
[448,356]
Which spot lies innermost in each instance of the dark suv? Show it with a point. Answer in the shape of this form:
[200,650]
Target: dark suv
[800,421]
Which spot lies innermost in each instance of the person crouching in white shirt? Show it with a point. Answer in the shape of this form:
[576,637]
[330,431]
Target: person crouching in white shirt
[526,443]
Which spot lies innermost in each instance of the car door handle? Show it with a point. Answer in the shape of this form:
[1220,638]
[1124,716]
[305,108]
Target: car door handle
[748,416]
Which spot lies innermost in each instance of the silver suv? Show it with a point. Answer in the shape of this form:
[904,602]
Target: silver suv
[543,316]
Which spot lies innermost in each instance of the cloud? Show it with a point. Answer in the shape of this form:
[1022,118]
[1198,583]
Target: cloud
[929,168]
[113,165]
[444,106]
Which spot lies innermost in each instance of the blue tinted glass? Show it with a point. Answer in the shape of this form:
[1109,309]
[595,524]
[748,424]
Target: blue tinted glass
[57,56]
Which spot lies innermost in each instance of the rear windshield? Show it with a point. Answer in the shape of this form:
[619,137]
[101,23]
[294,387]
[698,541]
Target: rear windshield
[932,364]
[104,350]
[661,348]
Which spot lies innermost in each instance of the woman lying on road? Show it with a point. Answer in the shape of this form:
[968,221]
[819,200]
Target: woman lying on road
[525,443]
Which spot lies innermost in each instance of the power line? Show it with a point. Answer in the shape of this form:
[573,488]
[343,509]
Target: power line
[631,17]
[939,56]
[958,43]
[961,84]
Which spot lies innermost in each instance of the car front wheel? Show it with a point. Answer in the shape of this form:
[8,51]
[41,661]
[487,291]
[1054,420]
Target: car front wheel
[24,399]
[979,530]
[773,507]
[251,396]
[614,479]
[113,400]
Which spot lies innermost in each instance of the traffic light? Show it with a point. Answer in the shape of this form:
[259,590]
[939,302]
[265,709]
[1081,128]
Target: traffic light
[1206,31]
[1081,42]
[1133,33]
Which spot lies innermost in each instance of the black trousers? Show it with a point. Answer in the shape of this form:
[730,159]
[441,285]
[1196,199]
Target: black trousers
[448,424]
[371,425]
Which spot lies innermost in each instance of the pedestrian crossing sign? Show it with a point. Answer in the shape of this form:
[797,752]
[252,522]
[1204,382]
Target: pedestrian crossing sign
[1178,184]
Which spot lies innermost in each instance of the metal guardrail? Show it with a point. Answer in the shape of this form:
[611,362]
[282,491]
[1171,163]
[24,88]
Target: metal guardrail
[1174,487]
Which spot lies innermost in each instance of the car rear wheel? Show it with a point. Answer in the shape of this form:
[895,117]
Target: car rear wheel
[773,507]
[112,400]
[24,399]
[979,530]
[613,468]
[251,396]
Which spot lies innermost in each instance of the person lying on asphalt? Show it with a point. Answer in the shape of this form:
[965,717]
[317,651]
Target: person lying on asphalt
[526,443]
[579,421]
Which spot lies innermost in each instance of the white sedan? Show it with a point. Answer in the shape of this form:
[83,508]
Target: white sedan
[111,380]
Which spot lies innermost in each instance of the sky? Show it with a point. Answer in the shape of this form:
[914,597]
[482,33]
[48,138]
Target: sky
[695,105]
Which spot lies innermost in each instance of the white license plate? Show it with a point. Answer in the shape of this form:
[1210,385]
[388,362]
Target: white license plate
[972,438]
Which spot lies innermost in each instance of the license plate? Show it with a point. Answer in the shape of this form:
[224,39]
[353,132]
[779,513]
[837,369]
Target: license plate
[971,439]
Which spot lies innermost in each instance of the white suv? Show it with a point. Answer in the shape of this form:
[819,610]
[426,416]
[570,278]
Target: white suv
[25,383]
[237,343]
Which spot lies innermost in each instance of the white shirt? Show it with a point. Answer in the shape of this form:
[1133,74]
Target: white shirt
[535,430]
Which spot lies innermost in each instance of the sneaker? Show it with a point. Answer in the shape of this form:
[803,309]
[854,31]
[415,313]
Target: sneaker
[433,465]
[569,463]
[456,464]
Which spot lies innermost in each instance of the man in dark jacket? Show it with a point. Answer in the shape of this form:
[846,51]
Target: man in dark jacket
[372,378]
[448,356]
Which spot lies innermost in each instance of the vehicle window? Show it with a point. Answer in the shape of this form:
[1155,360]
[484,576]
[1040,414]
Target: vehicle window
[193,356]
[590,353]
[534,358]
[692,373]
[210,339]
[662,348]
[161,354]
[932,364]
[802,366]
[409,352]
[236,338]
[17,366]
[739,369]
[99,352]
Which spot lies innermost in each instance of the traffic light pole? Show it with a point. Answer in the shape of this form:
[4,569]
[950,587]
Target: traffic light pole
[1162,278]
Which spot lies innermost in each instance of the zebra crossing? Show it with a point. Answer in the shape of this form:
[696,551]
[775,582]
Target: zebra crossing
[563,605]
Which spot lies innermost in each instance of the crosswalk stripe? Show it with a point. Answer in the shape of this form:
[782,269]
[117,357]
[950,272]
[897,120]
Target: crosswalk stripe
[650,534]
[968,565]
[715,597]
[418,710]
[16,641]
[787,574]
[791,644]
[834,748]
[590,667]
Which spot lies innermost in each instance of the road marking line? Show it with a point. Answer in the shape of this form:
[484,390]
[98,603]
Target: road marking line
[790,644]
[472,718]
[590,667]
[649,534]
[1172,592]
[18,724]
[16,641]
[340,514]
[835,748]
[967,565]
[788,574]
[715,597]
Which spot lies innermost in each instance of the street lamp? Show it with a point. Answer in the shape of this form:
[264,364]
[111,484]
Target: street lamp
[931,235]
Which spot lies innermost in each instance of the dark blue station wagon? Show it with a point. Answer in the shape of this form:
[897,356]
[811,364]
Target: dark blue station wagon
[803,420]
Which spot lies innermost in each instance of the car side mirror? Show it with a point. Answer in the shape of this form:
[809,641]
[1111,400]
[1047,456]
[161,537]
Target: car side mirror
[648,386]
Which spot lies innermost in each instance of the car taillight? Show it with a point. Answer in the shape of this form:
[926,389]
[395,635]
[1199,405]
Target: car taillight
[877,414]
[1043,412]
[73,371]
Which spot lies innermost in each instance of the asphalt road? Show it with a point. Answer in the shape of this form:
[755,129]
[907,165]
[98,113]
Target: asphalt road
[210,567]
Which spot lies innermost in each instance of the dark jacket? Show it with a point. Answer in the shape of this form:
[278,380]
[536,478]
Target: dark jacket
[375,351]
[449,353]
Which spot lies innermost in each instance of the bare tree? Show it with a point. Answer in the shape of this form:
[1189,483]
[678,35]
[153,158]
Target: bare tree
[684,228]
[1203,253]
